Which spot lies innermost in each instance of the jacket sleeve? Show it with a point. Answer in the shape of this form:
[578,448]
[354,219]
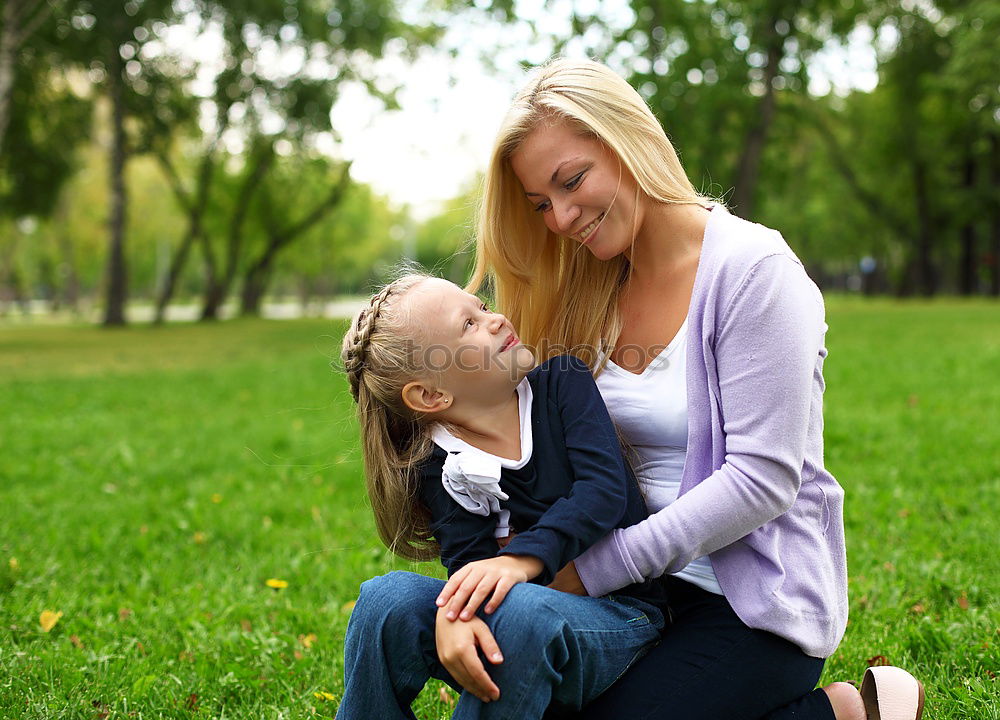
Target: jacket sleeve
[766,344]
[463,536]
[597,497]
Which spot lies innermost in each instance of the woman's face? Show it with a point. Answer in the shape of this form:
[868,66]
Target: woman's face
[579,187]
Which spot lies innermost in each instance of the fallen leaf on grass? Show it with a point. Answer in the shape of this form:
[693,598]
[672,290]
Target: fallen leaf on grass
[246,625]
[198,537]
[307,640]
[963,602]
[102,710]
[445,696]
[298,654]
[888,566]
[904,513]
[124,614]
[76,642]
[918,609]
[276,584]
[878,660]
[48,619]
[186,656]
[192,702]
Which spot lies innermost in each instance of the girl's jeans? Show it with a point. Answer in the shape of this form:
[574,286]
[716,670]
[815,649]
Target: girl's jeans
[558,649]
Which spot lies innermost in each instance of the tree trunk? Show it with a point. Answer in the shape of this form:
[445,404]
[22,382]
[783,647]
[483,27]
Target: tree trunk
[255,285]
[217,291]
[177,262]
[967,267]
[257,276]
[8,57]
[995,219]
[117,277]
[926,273]
[748,169]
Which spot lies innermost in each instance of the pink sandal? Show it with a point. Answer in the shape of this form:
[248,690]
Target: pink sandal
[891,693]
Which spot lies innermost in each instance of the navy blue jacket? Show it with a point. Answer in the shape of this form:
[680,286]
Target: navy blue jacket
[573,491]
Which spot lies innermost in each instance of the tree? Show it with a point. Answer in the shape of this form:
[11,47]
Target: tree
[283,68]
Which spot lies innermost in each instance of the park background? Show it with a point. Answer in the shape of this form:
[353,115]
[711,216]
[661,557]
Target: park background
[183,527]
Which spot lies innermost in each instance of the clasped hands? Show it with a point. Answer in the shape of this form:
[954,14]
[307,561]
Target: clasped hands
[460,635]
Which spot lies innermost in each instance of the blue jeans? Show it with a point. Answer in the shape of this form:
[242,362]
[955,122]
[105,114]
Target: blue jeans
[558,649]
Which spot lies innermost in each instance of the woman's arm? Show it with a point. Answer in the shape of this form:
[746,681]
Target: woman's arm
[765,348]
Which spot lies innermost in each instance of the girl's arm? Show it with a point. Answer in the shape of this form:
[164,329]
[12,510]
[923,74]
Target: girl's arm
[596,502]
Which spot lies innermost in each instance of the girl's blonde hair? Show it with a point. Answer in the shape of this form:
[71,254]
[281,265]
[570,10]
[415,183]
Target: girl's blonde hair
[380,354]
[560,298]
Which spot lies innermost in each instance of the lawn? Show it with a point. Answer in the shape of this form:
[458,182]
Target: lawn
[153,480]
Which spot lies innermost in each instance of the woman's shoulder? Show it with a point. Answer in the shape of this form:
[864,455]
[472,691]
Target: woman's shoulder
[734,247]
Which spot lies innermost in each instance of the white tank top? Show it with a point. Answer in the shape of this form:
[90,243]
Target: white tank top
[650,411]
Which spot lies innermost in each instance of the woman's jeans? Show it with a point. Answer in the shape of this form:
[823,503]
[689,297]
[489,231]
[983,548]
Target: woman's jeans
[710,666]
[558,649]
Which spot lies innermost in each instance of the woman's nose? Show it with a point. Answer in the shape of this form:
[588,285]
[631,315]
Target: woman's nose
[564,216]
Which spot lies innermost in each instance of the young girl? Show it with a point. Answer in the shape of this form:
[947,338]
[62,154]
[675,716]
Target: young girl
[507,473]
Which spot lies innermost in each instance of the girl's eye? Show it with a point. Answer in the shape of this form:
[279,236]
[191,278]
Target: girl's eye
[467,324]
[484,308]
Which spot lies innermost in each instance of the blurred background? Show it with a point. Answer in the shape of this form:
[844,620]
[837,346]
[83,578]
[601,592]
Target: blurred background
[191,159]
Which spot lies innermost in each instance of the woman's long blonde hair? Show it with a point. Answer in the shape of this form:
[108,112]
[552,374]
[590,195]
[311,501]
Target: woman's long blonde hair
[558,296]
[380,354]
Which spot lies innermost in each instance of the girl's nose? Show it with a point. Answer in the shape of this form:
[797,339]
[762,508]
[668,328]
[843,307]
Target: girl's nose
[496,322]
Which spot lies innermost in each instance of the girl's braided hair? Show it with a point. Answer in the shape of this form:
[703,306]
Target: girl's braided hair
[380,354]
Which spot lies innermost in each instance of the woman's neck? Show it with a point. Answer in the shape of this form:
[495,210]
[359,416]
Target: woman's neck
[670,237]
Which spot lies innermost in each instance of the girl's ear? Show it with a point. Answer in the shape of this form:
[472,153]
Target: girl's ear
[422,398]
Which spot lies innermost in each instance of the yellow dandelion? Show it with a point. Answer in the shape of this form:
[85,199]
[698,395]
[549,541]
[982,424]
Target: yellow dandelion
[14,564]
[216,498]
[198,537]
[276,584]
[48,619]
[307,640]
[324,696]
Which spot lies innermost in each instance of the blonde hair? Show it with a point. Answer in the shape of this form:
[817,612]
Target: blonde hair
[562,299]
[380,354]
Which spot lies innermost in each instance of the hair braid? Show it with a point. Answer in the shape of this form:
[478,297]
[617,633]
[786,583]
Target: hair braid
[355,352]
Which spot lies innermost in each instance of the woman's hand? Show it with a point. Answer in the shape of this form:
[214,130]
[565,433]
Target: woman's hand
[458,643]
[568,580]
[470,585]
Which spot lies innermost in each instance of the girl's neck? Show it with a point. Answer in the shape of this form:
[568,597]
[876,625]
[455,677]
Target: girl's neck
[493,428]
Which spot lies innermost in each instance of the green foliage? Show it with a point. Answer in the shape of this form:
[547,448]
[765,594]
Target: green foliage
[155,479]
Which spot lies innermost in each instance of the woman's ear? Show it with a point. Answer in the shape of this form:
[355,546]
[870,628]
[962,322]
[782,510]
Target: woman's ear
[422,398]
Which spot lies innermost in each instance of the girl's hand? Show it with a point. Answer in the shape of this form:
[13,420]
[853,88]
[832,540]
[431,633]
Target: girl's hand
[568,580]
[457,647]
[470,585]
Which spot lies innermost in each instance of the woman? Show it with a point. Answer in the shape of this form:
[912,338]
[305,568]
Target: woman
[708,337]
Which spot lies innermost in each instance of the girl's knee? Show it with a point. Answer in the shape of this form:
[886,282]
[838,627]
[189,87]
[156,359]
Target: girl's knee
[397,593]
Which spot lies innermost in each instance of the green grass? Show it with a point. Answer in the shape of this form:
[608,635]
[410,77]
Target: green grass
[152,480]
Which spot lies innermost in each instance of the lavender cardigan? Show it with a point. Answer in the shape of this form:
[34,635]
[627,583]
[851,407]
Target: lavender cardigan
[754,495]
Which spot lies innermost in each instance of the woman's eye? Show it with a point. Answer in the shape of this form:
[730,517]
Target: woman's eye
[542,206]
[574,181]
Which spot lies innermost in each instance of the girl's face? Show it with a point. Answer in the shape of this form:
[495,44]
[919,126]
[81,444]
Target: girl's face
[580,188]
[474,354]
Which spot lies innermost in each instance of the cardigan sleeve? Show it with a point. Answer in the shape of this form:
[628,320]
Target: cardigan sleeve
[767,340]
[598,497]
